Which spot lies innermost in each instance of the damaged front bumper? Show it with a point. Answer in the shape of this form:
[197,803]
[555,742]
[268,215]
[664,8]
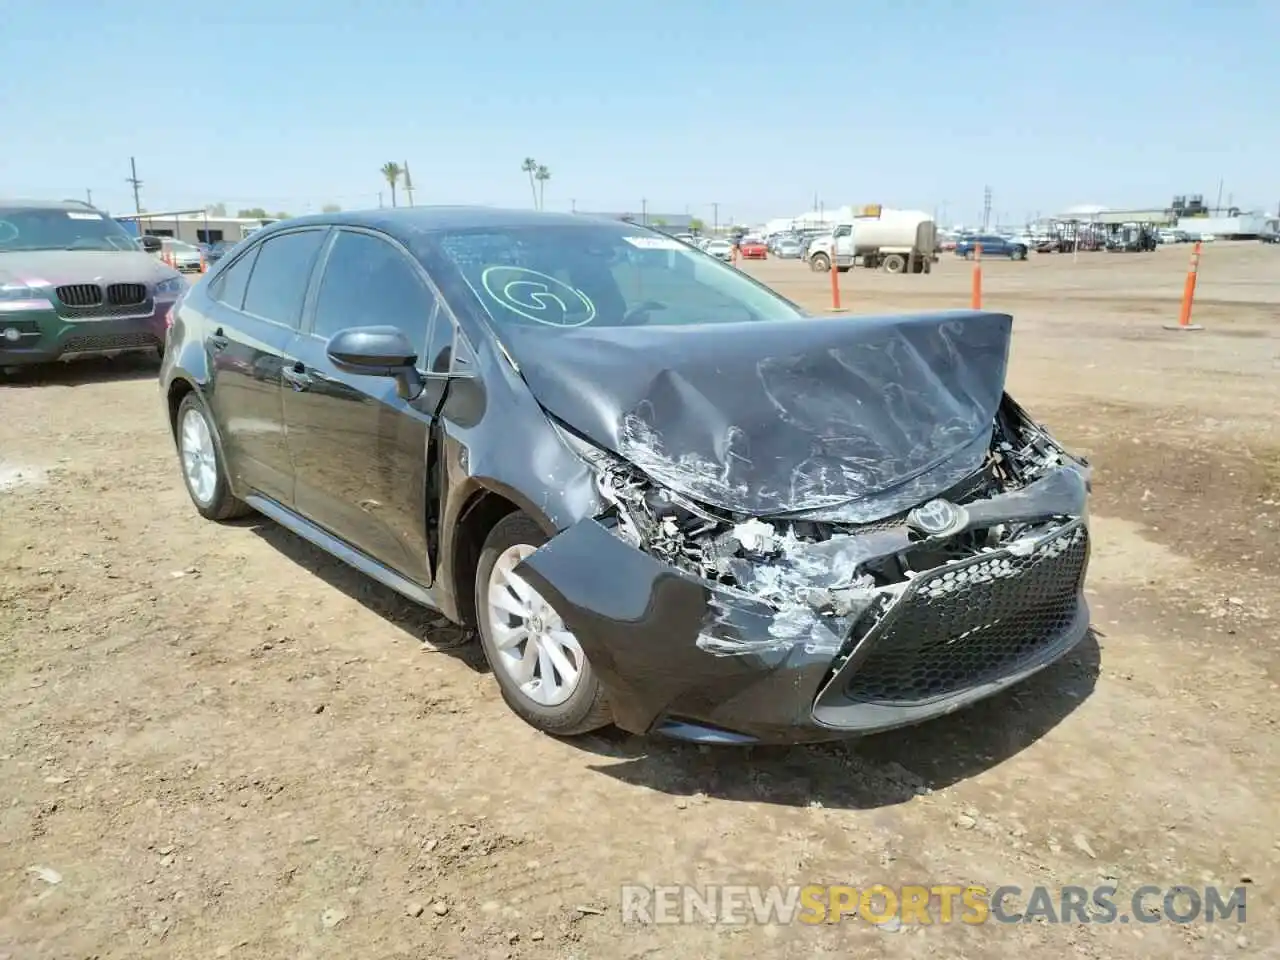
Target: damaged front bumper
[699,660]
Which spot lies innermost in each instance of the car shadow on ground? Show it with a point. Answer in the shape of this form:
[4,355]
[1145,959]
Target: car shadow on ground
[877,771]
[428,627]
[79,373]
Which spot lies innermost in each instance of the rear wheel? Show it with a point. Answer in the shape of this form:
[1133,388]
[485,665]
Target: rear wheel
[894,263]
[202,467]
[538,663]
[1018,254]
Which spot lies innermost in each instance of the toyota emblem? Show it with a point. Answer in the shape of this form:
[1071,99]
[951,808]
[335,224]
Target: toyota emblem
[937,518]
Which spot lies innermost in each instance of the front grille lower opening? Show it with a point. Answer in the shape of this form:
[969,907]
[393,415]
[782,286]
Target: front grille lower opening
[969,624]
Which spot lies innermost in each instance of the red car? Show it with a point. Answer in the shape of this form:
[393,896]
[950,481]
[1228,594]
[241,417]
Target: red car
[754,250]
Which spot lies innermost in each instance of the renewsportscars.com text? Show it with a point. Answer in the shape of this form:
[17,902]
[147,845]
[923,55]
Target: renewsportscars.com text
[735,904]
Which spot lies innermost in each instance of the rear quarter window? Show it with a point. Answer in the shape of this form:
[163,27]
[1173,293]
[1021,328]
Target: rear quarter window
[229,285]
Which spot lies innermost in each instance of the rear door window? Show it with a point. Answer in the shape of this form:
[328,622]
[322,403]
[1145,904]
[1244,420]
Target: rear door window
[278,286]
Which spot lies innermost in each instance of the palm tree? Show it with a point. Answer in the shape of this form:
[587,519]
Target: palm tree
[391,170]
[530,166]
[542,176]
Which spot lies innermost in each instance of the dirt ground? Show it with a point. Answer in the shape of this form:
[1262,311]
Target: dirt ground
[218,742]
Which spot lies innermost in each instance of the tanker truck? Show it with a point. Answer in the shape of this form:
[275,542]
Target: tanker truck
[900,241]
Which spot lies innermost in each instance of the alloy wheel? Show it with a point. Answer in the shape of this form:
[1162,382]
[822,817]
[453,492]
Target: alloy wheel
[534,647]
[199,459]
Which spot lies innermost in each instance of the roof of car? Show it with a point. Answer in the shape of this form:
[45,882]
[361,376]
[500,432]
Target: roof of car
[418,219]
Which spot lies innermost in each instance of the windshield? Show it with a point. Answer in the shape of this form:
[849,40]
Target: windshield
[178,245]
[29,228]
[603,275]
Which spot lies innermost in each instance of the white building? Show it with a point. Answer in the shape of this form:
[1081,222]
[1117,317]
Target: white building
[196,226]
[1246,226]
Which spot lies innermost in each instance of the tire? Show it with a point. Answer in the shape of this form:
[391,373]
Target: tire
[586,707]
[894,263]
[968,255]
[1018,254]
[819,263]
[218,504]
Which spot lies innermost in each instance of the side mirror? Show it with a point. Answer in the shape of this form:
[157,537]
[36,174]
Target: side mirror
[151,244]
[378,352]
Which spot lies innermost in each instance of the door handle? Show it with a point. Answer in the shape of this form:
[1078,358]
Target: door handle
[296,376]
[218,341]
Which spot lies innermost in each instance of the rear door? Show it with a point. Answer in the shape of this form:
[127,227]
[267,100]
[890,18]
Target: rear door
[251,321]
[359,451]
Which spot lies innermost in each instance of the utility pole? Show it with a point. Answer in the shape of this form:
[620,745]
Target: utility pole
[986,208]
[573,205]
[88,196]
[137,185]
[644,211]
[408,183]
[1217,210]
[379,199]
[715,218]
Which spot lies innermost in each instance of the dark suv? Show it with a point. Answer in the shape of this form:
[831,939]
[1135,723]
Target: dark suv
[74,283]
[664,496]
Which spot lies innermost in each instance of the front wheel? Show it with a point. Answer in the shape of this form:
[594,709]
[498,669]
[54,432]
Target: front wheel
[541,670]
[819,263]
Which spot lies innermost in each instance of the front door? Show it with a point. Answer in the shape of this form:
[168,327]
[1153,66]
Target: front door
[359,451]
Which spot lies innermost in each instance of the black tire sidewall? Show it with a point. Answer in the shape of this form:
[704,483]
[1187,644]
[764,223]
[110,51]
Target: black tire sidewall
[582,711]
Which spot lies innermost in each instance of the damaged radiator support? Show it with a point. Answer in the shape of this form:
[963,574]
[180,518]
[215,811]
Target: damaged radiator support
[821,577]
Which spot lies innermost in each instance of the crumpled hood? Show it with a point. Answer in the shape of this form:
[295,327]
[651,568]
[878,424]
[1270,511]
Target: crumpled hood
[847,418]
[57,267]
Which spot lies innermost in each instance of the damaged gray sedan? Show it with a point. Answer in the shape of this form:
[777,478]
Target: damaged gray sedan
[666,498]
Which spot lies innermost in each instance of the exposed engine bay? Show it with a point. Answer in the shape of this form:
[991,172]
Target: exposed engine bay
[810,570]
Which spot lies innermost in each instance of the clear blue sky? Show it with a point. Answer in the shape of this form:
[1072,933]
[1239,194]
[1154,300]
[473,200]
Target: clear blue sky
[755,104]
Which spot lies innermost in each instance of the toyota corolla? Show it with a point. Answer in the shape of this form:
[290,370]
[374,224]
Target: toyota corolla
[665,497]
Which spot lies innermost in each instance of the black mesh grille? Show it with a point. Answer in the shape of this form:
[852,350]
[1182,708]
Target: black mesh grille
[80,294]
[126,294]
[972,623]
[95,342]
